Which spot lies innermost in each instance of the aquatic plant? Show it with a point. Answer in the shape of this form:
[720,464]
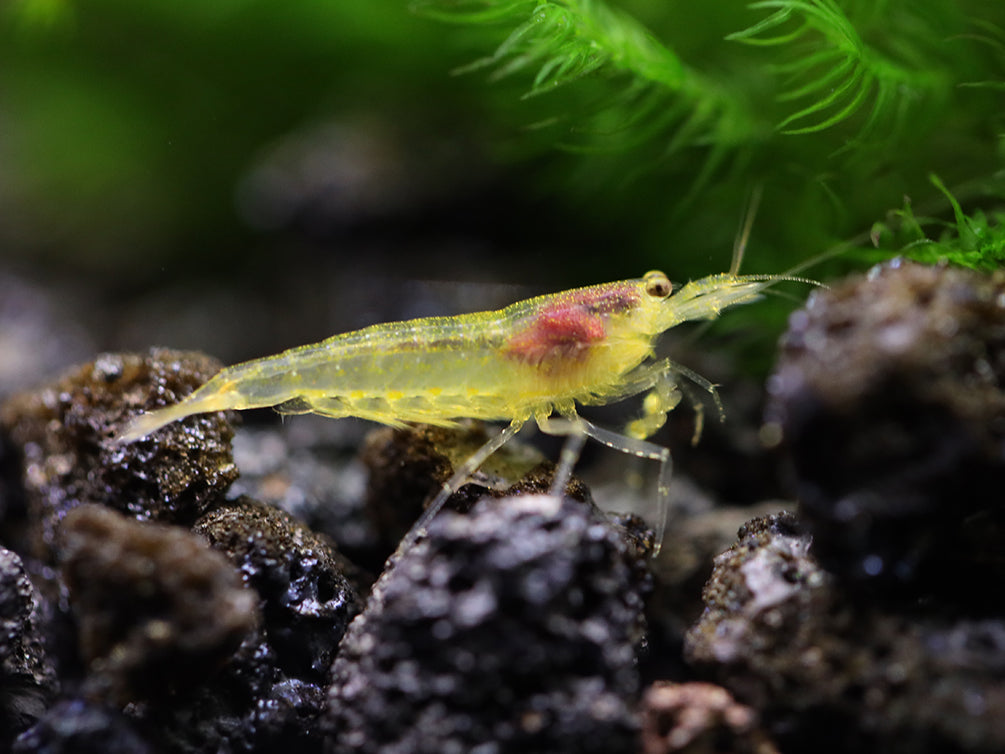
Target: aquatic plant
[837,105]
[651,120]
[975,240]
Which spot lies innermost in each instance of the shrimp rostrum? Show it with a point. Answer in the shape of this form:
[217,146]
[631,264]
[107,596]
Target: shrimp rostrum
[535,359]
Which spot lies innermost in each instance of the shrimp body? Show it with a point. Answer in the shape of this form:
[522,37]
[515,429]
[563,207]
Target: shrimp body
[531,359]
[535,358]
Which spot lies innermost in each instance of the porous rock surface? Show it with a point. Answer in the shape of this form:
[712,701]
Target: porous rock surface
[164,638]
[298,575]
[27,675]
[825,669]
[157,609]
[513,628]
[64,432]
[888,400]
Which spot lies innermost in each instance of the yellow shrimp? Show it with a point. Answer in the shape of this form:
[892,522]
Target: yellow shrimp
[532,359]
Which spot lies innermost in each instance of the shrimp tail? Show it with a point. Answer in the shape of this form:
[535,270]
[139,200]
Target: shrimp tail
[140,426]
[204,400]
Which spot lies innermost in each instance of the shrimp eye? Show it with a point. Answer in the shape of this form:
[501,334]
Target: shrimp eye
[658,285]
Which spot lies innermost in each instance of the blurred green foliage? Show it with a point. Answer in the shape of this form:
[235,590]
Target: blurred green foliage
[838,108]
[127,128]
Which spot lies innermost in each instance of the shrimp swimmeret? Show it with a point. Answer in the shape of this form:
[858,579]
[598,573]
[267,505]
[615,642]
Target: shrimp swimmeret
[533,359]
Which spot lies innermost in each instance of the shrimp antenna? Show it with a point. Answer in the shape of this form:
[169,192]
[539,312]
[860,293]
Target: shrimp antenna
[743,236]
[746,226]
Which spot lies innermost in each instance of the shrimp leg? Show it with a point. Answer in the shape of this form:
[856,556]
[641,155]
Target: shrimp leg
[460,477]
[576,428]
[660,401]
[665,393]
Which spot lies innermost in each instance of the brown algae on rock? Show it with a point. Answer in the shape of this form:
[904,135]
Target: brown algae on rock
[64,431]
[888,399]
[157,609]
[821,665]
[409,465]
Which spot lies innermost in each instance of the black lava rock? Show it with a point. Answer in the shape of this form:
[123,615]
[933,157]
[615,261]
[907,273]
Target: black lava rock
[271,695]
[27,676]
[513,628]
[307,600]
[81,727]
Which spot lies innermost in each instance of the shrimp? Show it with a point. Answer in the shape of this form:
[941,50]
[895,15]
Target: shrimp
[534,359]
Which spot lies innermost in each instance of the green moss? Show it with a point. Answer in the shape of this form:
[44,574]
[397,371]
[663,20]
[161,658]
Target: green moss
[975,240]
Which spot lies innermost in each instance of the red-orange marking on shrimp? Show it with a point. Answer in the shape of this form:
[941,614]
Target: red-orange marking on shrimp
[563,333]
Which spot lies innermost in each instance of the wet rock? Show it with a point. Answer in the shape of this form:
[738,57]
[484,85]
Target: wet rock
[80,727]
[680,571]
[689,549]
[699,718]
[251,705]
[754,599]
[27,676]
[888,399]
[270,696]
[829,673]
[515,627]
[408,466]
[158,611]
[307,599]
[63,434]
